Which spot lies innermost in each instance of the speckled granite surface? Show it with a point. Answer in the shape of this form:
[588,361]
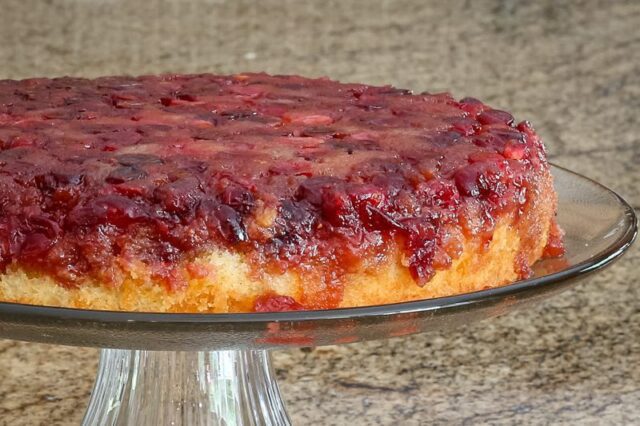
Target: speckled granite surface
[572,68]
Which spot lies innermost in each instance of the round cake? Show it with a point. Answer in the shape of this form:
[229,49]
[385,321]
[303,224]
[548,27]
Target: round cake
[251,192]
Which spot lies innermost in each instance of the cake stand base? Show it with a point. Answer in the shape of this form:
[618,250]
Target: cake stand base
[156,388]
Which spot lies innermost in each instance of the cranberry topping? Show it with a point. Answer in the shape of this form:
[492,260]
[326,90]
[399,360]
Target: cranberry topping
[293,172]
[275,303]
[555,243]
[522,267]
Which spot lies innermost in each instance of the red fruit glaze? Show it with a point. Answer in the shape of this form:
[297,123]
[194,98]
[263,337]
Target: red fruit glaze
[555,243]
[275,303]
[293,172]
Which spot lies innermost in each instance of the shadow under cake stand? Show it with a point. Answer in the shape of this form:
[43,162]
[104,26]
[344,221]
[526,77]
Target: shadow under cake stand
[214,369]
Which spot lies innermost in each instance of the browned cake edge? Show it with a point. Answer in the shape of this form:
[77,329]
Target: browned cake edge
[229,284]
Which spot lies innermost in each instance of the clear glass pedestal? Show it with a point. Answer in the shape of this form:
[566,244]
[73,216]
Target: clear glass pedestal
[135,387]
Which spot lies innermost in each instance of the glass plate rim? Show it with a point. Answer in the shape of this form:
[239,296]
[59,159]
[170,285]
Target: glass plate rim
[596,262]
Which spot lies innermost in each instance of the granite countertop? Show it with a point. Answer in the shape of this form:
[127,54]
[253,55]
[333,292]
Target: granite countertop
[572,68]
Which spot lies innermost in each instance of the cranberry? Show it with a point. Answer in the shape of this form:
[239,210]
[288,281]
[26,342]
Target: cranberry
[134,188]
[421,264]
[180,196]
[11,239]
[251,92]
[239,198]
[440,193]
[65,197]
[514,151]
[182,99]
[522,267]
[297,218]
[112,209]
[495,116]
[420,240]
[504,133]
[276,303]
[44,225]
[441,260]
[125,174]
[30,240]
[484,180]
[366,199]
[320,131]
[138,159]
[35,245]
[485,156]
[311,189]
[187,97]
[472,106]
[59,115]
[525,126]
[555,244]
[377,219]
[465,126]
[293,168]
[230,224]
[50,182]
[306,119]
[337,208]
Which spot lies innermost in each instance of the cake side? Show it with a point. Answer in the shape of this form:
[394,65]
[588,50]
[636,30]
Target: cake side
[227,282]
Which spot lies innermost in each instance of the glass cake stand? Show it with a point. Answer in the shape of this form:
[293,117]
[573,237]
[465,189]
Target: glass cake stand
[214,369]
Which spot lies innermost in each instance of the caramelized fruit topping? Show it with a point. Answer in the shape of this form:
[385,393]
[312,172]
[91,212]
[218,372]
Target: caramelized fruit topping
[293,172]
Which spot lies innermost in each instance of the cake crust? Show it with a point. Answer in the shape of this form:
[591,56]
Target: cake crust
[205,193]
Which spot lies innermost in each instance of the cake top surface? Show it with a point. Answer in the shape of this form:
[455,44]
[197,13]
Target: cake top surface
[288,170]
